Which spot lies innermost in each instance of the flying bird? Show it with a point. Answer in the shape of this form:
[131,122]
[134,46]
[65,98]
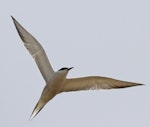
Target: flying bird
[56,82]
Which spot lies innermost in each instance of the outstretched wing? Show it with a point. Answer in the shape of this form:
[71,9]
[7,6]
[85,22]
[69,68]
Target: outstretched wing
[93,83]
[36,50]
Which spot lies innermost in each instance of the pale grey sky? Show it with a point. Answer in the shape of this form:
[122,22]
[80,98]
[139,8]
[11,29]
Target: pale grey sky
[106,38]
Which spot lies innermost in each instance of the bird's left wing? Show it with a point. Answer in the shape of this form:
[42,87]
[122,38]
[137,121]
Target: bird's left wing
[93,83]
[36,50]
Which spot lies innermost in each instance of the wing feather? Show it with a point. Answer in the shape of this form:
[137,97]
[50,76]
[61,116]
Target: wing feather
[36,50]
[94,83]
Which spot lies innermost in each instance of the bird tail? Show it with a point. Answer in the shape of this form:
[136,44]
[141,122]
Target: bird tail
[37,109]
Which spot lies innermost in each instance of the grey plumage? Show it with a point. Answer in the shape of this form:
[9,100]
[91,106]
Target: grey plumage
[56,82]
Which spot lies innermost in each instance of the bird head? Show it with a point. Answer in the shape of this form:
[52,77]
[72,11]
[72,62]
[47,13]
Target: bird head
[65,69]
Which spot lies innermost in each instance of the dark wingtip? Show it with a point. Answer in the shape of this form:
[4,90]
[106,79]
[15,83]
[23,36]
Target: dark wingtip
[14,20]
[12,17]
[141,84]
[133,85]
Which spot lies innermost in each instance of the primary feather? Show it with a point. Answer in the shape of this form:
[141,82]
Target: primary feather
[94,83]
[36,50]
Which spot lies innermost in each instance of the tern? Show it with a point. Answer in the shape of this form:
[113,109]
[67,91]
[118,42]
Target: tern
[56,82]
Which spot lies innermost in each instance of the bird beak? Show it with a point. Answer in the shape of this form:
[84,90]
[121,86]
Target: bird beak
[70,68]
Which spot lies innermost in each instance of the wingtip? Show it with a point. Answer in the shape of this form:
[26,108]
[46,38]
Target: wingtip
[141,84]
[138,84]
[14,20]
[12,17]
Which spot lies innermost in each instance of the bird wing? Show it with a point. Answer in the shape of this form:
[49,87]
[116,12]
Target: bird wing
[93,83]
[36,50]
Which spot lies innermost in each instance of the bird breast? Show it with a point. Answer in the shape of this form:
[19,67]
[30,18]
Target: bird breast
[56,83]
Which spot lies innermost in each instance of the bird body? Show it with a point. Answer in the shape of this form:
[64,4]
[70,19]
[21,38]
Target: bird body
[56,82]
[52,88]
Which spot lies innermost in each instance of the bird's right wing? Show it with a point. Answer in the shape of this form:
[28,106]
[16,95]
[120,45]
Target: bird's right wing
[36,50]
[94,83]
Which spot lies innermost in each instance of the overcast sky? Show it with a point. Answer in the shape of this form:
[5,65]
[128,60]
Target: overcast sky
[108,38]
